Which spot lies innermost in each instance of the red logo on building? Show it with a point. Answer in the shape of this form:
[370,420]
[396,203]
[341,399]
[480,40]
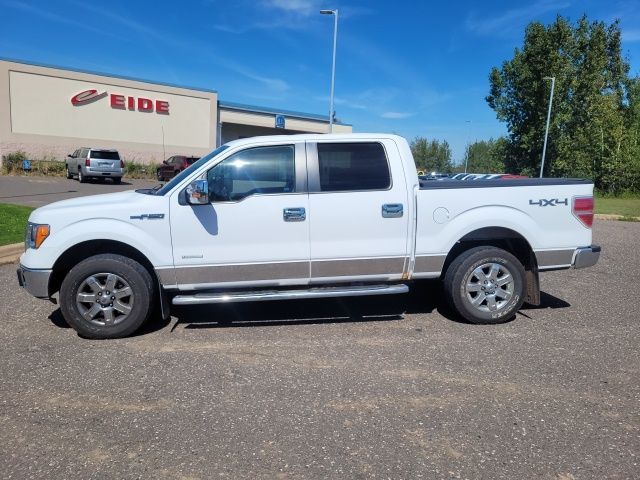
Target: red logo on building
[122,102]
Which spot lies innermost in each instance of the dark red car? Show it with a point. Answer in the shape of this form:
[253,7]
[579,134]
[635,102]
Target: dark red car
[173,166]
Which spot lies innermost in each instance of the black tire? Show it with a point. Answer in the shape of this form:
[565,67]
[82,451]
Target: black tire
[159,176]
[129,274]
[117,180]
[81,177]
[69,174]
[496,303]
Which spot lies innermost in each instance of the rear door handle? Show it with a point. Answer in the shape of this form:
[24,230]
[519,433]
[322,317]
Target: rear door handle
[392,210]
[298,214]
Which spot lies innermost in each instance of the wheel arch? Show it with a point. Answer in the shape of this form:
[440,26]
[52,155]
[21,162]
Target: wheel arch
[82,250]
[508,240]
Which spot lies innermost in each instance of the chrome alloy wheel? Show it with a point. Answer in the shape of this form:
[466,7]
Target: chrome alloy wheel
[489,287]
[104,299]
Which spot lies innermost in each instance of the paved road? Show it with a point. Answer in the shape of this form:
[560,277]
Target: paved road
[335,389]
[36,191]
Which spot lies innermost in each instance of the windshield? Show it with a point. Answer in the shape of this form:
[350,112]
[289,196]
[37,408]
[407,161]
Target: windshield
[187,171]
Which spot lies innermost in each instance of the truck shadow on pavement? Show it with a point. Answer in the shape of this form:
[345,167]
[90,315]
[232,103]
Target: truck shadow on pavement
[425,297]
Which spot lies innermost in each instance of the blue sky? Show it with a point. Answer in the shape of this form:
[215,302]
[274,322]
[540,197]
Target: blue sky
[408,67]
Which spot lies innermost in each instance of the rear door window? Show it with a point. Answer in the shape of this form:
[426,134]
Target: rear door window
[353,167]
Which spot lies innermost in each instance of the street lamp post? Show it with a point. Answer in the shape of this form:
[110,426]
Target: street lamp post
[333,66]
[546,133]
[466,156]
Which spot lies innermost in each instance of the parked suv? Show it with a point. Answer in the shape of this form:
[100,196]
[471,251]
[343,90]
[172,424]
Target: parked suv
[173,166]
[88,163]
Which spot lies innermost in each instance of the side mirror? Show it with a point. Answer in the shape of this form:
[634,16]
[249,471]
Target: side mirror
[165,162]
[198,192]
[70,155]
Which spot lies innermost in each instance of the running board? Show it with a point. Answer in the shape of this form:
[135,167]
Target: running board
[263,295]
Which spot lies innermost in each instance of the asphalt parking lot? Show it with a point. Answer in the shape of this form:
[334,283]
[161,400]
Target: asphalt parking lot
[35,191]
[335,389]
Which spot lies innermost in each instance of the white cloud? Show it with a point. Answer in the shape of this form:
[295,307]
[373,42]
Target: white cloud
[300,7]
[514,17]
[396,115]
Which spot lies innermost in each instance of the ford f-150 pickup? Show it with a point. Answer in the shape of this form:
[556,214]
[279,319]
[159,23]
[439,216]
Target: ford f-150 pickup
[304,216]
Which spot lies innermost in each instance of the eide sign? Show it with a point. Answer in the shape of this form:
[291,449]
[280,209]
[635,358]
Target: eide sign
[121,102]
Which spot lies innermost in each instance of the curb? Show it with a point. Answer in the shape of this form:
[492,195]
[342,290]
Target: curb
[11,253]
[613,216]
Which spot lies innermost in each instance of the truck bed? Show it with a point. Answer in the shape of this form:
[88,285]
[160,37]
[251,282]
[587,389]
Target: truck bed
[538,211]
[496,182]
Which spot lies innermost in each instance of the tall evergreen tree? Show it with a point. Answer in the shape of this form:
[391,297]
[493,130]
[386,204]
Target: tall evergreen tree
[432,155]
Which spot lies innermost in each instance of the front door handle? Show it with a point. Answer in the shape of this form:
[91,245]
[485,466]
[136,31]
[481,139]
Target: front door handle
[392,210]
[298,214]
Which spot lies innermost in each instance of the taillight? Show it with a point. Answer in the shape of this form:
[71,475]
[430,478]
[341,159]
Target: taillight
[121,163]
[87,162]
[583,210]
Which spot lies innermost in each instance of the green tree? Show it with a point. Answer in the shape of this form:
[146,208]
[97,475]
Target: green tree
[588,135]
[432,155]
[486,156]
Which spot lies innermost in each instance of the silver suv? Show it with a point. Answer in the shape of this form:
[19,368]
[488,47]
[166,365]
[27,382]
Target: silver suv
[95,163]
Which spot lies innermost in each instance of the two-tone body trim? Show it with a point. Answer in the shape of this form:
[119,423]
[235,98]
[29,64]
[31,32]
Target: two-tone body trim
[428,266]
[553,259]
[357,267]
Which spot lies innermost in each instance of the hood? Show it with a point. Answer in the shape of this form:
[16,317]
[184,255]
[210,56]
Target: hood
[119,205]
[103,200]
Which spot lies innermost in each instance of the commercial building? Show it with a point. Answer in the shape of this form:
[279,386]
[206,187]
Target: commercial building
[49,112]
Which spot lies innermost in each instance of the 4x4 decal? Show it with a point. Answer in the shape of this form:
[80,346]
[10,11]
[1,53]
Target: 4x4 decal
[543,202]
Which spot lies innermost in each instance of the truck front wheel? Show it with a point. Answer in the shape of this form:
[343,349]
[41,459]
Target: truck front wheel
[106,296]
[485,285]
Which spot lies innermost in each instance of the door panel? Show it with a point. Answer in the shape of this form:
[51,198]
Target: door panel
[352,233]
[243,236]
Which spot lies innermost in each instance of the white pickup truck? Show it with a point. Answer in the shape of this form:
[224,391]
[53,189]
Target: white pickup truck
[304,216]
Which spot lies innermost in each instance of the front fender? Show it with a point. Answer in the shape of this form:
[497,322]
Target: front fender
[151,237]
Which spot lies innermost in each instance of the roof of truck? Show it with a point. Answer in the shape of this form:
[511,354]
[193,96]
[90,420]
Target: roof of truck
[314,137]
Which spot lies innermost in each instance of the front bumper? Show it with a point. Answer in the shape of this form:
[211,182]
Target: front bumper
[36,282]
[586,256]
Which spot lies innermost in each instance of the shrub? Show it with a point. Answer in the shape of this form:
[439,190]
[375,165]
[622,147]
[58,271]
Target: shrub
[12,162]
[139,170]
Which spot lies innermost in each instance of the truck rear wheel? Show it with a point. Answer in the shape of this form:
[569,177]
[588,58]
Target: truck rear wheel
[106,296]
[485,285]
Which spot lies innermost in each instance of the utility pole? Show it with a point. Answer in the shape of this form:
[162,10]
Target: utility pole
[332,112]
[546,133]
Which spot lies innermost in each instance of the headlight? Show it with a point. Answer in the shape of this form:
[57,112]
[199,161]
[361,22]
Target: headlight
[36,234]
